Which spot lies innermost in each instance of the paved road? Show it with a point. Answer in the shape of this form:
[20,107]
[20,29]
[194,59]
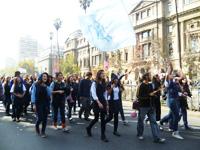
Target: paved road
[21,136]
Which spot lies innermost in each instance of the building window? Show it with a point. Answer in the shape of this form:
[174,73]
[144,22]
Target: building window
[137,16]
[186,2]
[146,50]
[169,7]
[148,12]
[146,34]
[195,44]
[171,49]
[100,58]
[126,56]
[93,60]
[84,63]
[170,29]
[80,63]
[143,14]
[97,60]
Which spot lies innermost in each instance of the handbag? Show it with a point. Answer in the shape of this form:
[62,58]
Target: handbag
[136,103]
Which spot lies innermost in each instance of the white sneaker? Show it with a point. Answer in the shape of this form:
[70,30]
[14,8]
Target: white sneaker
[141,138]
[177,135]
[66,129]
[170,130]
[125,122]
[55,127]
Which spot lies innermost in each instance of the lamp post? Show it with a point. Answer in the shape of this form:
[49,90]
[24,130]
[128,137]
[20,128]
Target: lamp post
[85,4]
[57,24]
[51,64]
[179,35]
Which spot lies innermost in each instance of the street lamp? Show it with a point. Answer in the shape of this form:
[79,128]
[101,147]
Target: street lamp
[85,4]
[51,65]
[179,35]
[57,24]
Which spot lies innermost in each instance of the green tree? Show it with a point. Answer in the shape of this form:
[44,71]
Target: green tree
[68,65]
[28,65]
[8,71]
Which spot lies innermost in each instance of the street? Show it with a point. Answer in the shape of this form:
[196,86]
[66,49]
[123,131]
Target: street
[22,136]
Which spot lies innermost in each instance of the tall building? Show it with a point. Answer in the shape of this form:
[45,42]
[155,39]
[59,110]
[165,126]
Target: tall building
[159,28]
[28,48]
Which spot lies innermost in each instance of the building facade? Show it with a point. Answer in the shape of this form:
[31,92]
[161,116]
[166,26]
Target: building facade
[48,60]
[155,25]
[88,58]
[28,48]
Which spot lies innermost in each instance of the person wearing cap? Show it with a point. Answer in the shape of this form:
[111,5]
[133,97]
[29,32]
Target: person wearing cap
[40,97]
[84,94]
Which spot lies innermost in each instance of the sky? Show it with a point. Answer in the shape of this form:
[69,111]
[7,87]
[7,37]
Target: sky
[35,18]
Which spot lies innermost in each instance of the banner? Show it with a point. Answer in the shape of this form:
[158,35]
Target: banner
[106,25]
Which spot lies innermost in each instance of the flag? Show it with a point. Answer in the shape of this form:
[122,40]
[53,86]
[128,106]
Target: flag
[106,25]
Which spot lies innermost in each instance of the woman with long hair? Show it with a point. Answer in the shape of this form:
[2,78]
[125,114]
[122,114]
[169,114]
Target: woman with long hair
[115,92]
[40,97]
[71,96]
[18,91]
[27,96]
[100,106]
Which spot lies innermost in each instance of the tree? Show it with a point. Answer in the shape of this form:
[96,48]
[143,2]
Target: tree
[28,65]
[8,71]
[68,65]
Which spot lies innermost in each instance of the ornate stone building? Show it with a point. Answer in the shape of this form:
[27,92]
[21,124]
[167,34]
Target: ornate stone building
[155,25]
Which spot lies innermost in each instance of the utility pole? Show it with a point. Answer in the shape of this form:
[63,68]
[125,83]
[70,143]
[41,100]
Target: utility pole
[51,64]
[57,25]
[178,35]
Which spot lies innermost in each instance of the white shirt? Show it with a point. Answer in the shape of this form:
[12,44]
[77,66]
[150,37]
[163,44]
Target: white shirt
[116,93]
[94,94]
[12,88]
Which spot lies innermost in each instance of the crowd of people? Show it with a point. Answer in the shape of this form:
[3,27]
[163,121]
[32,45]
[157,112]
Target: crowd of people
[59,96]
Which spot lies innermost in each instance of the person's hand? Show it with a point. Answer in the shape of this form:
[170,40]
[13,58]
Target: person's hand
[100,105]
[152,94]
[61,91]
[107,108]
[34,108]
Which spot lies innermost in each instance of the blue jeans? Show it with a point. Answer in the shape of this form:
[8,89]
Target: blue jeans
[150,112]
[174,114]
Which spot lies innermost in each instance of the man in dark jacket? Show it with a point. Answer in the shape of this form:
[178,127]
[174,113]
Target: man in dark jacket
[147,107]
[84,93]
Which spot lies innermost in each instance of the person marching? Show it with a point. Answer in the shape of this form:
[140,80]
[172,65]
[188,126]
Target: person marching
[58,89]
[40,98]
[147,107]
[84,93]
[7,95]
[27,96]
[18,91]
[71,97]
[100,106]
[115,91]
